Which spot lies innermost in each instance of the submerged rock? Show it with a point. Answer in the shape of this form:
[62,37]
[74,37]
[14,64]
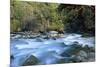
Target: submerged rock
[31,60]
[39,40]
[74,49]
[76,44]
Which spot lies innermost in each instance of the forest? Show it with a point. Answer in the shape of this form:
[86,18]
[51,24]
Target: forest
[36,16]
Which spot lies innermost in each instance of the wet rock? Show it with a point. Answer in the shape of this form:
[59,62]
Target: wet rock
[62,61]
[73,50]
[16,36]
[75,43]
[60,36]
[52,34]
[42,32]
[88,49]
[65,54]
[39,40]
[92,49]
[91,56]
[54,38]
[75,59]
[82,56]
[46,38]
[12,57]
[65,60]
[31,60]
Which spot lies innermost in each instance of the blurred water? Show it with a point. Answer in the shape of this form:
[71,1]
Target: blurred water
[47,51]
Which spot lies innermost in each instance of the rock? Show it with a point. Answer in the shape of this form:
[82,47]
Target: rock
[82,56]
[31,60]
[54,38]
[72,50]
[16,36]
[61,61]
[12,57]
[42,32]
[46,38]
[65,60]
[65,54]
[92,49]
[81,59]
[60,32]
[91,56]
[75,43]
[88,49]
[60,36]
[53,34]
[86,35]
[39,40]
[75,58]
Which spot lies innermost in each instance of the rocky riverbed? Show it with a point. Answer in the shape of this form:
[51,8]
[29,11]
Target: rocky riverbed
[39,50]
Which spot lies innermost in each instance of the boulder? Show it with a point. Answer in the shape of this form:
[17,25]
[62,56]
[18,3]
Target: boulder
[53,34]
[91,56]
[81,56]
[75,43]
[75,59]
[31,60]
[72,50]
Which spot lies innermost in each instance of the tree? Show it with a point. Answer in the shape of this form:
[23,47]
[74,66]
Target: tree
[78,18]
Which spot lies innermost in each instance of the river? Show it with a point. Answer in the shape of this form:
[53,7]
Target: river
[48,51]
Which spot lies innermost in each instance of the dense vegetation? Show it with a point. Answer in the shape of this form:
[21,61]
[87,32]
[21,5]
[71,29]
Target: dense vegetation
[34,16]
[78,18]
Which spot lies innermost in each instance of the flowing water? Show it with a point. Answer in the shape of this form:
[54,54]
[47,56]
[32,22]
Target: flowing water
[47,51]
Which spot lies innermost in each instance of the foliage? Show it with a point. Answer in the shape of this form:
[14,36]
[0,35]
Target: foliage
[35,16]
[78,18]
[15,26]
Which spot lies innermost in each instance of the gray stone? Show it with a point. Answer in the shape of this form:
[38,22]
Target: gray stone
[31,60]
[83,54]
[91,56]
